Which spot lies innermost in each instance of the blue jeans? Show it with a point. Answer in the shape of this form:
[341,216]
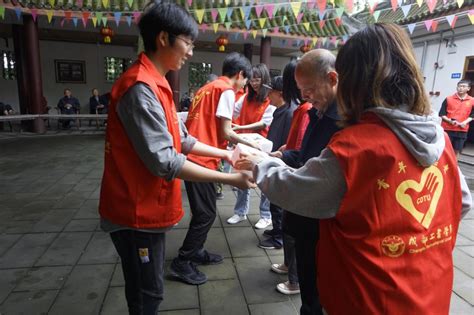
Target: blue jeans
[242,205]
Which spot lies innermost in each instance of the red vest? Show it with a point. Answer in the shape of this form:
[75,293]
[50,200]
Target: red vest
[298,127]
[202,122]
[458,109]
[251,112]
[389,248]
[131,195]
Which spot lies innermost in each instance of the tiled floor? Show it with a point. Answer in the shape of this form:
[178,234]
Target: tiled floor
[55,260]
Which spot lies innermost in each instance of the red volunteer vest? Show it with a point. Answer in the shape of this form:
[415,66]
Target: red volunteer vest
[251,112]
[458,109]
[389,248]
[202,122]
[298,127]
[131,195]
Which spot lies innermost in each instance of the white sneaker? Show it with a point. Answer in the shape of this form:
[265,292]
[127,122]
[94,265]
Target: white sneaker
[288,288]
[236,219]
[263,223]
[280,268]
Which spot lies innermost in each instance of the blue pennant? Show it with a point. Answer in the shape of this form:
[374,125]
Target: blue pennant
[18,13]
[248,23]
[74,21]
[129,20]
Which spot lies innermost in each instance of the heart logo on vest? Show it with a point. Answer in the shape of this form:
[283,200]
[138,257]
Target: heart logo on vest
[428,190]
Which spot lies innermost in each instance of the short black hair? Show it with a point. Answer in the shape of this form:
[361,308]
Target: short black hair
[162,16]
[464,81]
[291,93]
[277,83]
[234,63]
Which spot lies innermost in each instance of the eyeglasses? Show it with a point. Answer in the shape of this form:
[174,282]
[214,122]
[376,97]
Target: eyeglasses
[255,80]
[190,44]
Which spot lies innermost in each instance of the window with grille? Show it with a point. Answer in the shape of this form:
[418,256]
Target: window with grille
[198,74]
[8,65]
[114,67]
[469,72]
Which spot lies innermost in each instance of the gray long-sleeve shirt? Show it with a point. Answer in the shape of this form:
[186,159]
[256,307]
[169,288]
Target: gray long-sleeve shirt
[143,118]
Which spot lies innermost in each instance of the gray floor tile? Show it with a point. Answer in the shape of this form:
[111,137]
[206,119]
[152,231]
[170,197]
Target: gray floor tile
[44,278]
[280,308]
[463,262]
[26,250]
[117,277]
[213,293]
[258,281]
[9,279]
[243,242]
[181,312]
[15,227]
[115,302]
[66,249]
[7,241]
[31,302]
[468,250]
[463,286]
[82,225]
[100,250]
[459,306]
[466,229]
[179,296]
[224,271]
[54,221]
[84,291]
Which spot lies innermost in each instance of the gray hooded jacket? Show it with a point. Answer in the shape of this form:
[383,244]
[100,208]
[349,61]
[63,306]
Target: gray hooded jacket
[316,189]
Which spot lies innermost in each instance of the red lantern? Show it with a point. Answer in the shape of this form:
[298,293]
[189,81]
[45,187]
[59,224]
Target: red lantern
[107,33]
[305,48]
[222,41]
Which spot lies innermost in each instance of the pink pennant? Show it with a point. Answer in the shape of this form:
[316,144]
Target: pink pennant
[290,43]
[394,5]
[434,26]
[269,8]
[34,14]
[322,5]
[349,5]
[310,5]
[85,17]
[190,2]
[338,21]
[322,23]
[299,17]
[245,35]
[428,24]
[372,8]
[79,3]
[214,14]
[204,27]
[431,5]
[276,29]
[62,23]
[136,16]
[306,41]
[258,10]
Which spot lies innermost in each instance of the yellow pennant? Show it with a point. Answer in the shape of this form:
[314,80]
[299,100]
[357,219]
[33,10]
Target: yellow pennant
[105,3]
[419,2]
[460,3]
[199,15]
[306,26]
[471,17]
[315,40]
[51,2]
[49,14]
[215,26]
[295,6]
[227,2]
[242,13]
[94,21]
[262,22]
[254,33]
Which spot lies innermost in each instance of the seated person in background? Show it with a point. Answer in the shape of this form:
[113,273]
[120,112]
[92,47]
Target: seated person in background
[97,102]
[68,105]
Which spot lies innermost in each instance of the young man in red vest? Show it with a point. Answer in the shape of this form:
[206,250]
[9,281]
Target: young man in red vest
[210,121]
[144,156]
[457,112]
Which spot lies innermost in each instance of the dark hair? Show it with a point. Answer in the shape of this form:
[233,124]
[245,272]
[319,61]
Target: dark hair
[291,93]
[92,91]
[67,89]
[259,71]
[277,83]
[234,63]
[464,81]
[165,17]
[377,68]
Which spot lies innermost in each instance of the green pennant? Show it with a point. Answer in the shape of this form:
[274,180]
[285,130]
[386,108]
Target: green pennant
[104,21]
[98,15]
[264,32]
[2,12]
[222,13]
[130,3]
[242,13]
[227,25]
[339,11]
[376,15]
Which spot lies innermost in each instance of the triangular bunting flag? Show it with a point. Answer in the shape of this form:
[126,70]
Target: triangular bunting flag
[229,13]
[460,3]
[373,7]
[236,36]
[428,24]
[18,12]
[2,12]
[104,21]
[215,26]
[129,20]
[247,12]
[284,19]
[419,2]
[339,11]
[269,8]
[199,15]
[214,14]
[338,21]
[99,17]
[295,7]
[74,21]
[451,20]
[242,13]
[324,40]
[434,27]
[52,2]
[287,29]
[314,41]
[262,22]
[245,35]
[411,27]
[349,6]
[204,27]
[67,15]
[431,5]
[227,2]
[322,4]
[79,3]
[394,4]
[258,10]
[49,14]
[94,21]
[470,14]
[136,16]
[321,14]
[276,29]
[299,17]
[322,23]
[222,13]
[306,41]
[310,4]
[290,43]
[62,22]
[283,42]
[264,32]
[227,25]
[190,2]
[85,17]
[105,3]
[130,3]
[298,43]
[399,2]
[405,9]
[34,14]
[254,33]
[376,15]
[345,38]
[306,26]
[117,17]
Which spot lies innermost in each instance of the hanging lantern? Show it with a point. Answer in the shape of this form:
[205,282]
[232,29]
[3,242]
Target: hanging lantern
[305,48]
[107,33]
[222,41]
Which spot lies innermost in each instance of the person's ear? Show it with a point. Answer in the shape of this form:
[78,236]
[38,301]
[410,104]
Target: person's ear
[162,40]
[333,78]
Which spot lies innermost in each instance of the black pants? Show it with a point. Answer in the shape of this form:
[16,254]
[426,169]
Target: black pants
[305,231]
[202,201]
[143,257]
[277,214]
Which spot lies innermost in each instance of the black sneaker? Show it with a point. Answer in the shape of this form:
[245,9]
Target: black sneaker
[206,258]
[270,243]
[269,232]
[187,272]
[220,196]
